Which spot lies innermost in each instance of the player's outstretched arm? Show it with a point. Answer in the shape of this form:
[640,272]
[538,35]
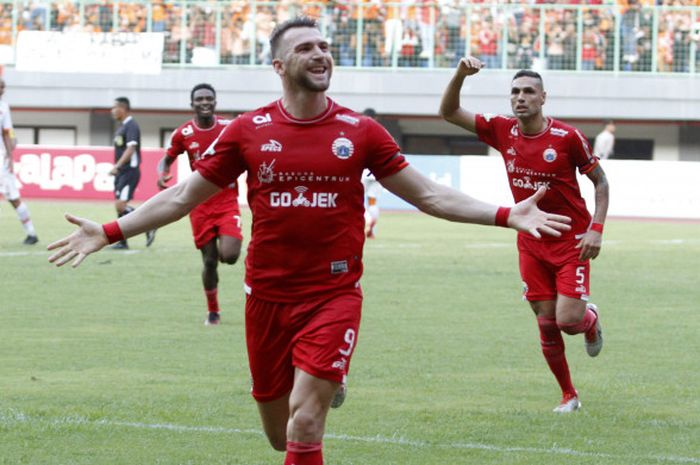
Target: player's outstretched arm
[447,203]
[450,108]
[164,208]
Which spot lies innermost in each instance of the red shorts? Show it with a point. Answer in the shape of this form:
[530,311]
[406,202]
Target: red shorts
[549,268]
[218,216]
[317,336]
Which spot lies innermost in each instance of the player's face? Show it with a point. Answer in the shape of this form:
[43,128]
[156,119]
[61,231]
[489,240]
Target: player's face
[204,103]
[305,60]
[118,111]
[526,97]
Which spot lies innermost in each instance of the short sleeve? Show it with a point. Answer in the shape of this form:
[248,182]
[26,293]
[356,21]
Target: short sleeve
[487,128]
[132,134]
[384,155]
[7,119]
[581,153]
[176,145]
[222,162]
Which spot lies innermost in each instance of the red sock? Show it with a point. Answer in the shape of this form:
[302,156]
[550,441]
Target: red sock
[553,351]
[582,326]
[212,300]
[303,453]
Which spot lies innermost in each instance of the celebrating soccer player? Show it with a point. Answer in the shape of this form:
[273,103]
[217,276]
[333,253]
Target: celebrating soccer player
[542,153]
[304,155]
[216,223]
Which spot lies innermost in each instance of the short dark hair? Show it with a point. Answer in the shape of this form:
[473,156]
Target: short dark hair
[608,122]
[370,112]
[280,29]
[203,85]
[529,73]
[123,101]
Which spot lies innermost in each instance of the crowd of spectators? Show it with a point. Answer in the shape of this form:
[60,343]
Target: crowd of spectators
[540,34]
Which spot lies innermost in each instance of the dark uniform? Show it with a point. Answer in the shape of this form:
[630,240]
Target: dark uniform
[128,133]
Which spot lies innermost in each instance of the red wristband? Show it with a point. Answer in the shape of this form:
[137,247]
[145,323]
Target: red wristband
[597,227]
[502,216]
[113,232]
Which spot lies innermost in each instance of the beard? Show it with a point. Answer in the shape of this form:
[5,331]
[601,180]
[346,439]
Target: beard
[305,82]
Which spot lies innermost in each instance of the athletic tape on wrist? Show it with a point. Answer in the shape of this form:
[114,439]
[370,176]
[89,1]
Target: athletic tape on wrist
[597,227]
[502,215]
[113,232]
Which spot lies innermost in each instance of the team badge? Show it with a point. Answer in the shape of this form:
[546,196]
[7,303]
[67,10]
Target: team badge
[342,148]
[549,155]
[510,166]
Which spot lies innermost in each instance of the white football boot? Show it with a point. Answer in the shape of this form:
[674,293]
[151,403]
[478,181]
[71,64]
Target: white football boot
[568,405]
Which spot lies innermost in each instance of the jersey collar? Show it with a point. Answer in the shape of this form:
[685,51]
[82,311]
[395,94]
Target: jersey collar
[329,108]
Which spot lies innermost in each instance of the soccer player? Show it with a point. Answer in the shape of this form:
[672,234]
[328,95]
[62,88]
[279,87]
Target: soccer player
[541,152]
[8,181]
[127,162]
[216,223]
[304,155]
[373,190]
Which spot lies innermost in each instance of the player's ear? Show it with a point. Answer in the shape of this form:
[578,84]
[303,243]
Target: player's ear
[278,66]
[544,97]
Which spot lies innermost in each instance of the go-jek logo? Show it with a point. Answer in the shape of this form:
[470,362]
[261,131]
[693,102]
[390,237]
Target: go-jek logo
[526,183]
[303,199]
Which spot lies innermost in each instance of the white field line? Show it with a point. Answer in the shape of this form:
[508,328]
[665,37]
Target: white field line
[7,419]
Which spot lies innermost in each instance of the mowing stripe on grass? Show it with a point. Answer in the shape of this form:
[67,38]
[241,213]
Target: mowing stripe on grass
[11,417]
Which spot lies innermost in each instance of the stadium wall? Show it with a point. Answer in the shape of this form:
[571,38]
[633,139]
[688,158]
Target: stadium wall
[577,95]
[664,108]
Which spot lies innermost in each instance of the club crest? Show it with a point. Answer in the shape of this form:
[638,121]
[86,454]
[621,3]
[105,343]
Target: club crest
[342,148]
[549,155]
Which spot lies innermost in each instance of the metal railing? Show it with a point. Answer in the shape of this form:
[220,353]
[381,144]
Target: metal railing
[372,33]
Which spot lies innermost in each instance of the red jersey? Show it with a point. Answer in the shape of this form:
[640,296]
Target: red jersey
[305,193]
[193,140]
[548,159]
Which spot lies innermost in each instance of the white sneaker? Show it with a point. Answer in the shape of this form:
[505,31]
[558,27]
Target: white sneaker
[339,397]
[572,404]
[594,346]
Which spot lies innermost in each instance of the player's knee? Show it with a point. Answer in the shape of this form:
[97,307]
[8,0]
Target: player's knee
[306,424]
[230,258]
[210,262]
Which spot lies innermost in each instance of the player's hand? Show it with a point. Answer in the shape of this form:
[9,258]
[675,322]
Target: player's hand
[79,244]
[163,180]
[590,245]
[114,171]
[525,216]
[468,66]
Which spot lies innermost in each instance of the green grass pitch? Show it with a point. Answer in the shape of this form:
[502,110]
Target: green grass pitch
[110,363]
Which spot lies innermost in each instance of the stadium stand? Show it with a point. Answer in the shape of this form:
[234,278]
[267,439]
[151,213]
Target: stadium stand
[661,36]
